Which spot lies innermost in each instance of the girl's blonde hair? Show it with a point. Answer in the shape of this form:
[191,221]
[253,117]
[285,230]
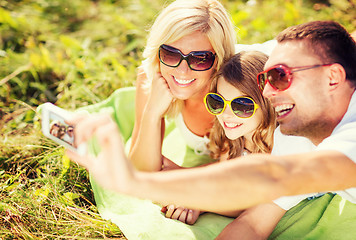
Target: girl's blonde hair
[184,17]
[241,72]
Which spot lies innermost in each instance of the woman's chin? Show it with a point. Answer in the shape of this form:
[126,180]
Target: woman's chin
[181,95]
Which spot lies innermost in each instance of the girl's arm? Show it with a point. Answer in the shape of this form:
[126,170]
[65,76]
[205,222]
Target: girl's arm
[254,223]
[148,132]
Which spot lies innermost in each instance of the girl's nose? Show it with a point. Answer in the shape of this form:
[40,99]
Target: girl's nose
[228,111]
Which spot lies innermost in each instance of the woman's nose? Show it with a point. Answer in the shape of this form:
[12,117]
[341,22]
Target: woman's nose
[183,66]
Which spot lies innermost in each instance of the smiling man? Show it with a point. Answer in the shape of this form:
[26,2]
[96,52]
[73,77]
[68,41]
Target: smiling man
[306,81]
[310,78]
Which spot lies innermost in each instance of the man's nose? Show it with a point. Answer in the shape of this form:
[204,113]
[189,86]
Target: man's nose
[268,90]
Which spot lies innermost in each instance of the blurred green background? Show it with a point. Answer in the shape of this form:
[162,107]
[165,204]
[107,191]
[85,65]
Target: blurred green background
[75,53]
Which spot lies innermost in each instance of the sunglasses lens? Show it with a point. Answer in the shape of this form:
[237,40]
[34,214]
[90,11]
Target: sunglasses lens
[278,78]
[201,61]
[197,60]
[214,104]
[243,107]
[169,56]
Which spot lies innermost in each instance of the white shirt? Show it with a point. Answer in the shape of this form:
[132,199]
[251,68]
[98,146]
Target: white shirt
[342,139]
[199,144]
[265,47]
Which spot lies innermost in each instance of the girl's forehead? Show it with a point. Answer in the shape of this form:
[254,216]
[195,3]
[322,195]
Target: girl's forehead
[227,90]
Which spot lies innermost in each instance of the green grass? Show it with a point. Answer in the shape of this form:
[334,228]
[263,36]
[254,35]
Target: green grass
[42,194]
[76,53]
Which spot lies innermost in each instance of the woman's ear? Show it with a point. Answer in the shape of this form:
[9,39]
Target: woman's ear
[337,76]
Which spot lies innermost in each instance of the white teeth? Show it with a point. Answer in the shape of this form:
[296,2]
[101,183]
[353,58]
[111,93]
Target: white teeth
[183,82]
[283,109]
[231,125]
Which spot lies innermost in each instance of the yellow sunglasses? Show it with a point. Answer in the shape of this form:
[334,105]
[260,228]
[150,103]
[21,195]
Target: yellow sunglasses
[242,107]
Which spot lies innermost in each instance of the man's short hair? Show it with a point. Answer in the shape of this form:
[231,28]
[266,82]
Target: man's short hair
[329,41]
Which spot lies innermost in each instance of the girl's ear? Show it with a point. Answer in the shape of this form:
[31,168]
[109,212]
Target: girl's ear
[337,76]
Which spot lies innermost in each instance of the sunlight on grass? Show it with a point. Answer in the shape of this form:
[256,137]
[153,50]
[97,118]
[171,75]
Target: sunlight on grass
[76,53]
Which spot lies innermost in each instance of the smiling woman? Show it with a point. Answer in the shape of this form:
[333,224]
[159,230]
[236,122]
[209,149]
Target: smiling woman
[187,44]
[188,81]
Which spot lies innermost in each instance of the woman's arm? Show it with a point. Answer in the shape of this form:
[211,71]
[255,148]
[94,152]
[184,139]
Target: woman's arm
[148,132]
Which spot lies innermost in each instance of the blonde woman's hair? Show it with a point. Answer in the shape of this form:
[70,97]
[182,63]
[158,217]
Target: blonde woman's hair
[241,72]
[184,17]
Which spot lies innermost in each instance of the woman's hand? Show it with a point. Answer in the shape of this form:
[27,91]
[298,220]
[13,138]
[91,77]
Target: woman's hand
[160,97]
[182,214]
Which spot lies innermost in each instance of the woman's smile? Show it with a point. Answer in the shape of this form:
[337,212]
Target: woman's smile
[182,82]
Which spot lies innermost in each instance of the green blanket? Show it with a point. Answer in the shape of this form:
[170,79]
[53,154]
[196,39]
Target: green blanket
[142,219]
[327,217]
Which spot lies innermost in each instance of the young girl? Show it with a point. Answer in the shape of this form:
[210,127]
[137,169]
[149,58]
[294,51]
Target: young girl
[245,122]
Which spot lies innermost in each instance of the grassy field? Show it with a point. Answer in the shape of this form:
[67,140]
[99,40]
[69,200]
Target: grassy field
[76,53]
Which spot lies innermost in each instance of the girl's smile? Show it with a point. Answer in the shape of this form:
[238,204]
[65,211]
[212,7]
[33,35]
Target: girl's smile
[231,125]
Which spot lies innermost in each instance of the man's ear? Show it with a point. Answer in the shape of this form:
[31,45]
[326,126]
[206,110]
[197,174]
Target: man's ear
[337,76]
